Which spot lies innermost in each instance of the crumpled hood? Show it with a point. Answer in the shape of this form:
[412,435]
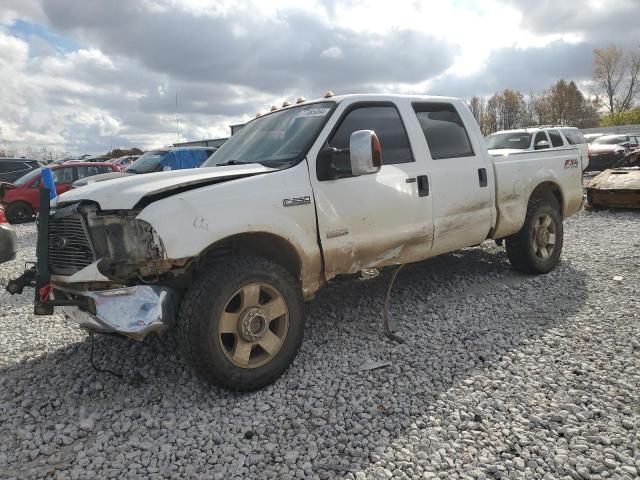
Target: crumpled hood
[124,193]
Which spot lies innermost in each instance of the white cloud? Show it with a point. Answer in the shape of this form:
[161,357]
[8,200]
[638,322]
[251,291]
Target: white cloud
[228,59]
[332,52]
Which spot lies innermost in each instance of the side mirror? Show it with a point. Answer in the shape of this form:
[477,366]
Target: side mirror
[541,144]
[365,152]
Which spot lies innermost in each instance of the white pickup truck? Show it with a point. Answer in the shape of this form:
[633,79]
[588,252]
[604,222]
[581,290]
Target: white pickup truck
[227,255]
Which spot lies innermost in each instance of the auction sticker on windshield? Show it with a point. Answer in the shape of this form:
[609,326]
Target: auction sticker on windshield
[313,112]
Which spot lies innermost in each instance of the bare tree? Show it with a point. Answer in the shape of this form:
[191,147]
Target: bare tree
[633,79]
[617,76]
[28,151]
[476,105]
[504,110]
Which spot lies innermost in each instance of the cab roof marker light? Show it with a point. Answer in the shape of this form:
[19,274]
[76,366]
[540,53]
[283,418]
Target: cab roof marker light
[273,108]
[286,103]
[300,99]
[258,115]
[328,94]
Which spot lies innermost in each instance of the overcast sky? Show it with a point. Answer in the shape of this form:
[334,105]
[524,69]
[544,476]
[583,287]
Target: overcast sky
[90,75]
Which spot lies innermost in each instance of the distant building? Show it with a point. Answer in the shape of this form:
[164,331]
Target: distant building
[212,142]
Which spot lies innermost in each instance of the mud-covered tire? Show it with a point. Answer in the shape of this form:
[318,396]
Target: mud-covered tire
[201,312]
[19,212]
[524,248]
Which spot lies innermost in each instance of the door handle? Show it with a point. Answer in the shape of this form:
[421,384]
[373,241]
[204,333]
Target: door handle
[423,185]
[482,177]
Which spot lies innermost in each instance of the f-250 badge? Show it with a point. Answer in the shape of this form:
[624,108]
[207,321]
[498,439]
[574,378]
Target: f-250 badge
[573,163]
[295,201]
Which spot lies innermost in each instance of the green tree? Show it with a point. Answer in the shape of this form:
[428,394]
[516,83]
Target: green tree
[630,117]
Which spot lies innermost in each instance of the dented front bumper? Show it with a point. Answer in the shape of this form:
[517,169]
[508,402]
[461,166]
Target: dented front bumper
[132,311]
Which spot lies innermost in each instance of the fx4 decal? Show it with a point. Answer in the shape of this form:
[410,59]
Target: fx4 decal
[573,163]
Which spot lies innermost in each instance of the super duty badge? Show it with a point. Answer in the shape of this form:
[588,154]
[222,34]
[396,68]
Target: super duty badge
[295,201]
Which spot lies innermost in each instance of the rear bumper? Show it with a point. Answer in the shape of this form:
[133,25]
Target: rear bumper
[8,243]
[132,311]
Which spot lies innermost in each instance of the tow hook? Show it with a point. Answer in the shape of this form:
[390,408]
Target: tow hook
[27,279]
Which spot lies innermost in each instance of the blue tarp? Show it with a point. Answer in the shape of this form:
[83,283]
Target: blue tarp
[180,159]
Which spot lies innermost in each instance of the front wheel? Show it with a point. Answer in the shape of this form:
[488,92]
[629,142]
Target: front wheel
[19,212]
[537,246]
[240,324]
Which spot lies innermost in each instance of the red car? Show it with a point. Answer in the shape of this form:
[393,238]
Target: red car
[21,198]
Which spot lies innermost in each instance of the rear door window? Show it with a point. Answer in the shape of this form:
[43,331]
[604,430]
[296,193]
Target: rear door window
[443,130]
[556,139]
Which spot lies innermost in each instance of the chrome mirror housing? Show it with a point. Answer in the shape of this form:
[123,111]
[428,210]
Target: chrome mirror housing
[365,152]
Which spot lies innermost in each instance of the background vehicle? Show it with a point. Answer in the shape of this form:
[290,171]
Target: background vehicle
[606,151]
[157,161]
[13,168]
[298,196]
[537,138]
[20,198]
[125,160]
[8,240]
[590,137]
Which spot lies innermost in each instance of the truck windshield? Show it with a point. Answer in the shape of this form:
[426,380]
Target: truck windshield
[279,137]
[147,163]
[27,178]
[517,140]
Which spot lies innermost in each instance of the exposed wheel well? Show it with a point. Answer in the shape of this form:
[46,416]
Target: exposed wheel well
[548,191]
[258,244]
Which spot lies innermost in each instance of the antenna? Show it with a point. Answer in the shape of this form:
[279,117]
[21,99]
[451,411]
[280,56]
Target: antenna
[177,121]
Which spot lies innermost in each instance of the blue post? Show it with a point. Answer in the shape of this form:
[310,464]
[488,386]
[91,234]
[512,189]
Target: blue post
[49,182]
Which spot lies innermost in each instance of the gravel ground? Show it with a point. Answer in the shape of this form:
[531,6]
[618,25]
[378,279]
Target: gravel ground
[501,376]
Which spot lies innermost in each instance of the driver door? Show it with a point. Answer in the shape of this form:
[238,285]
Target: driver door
[378,219]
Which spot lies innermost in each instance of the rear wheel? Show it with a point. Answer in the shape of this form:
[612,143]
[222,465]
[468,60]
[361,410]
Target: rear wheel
[19,212]
[240,324]
[537,246]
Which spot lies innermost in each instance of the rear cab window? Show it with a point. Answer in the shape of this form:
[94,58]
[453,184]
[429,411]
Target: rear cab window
[509,140]
[443,130]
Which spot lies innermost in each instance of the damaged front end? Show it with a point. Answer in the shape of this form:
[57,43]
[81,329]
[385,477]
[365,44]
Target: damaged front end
[104,269]
[132,311]
[118,245]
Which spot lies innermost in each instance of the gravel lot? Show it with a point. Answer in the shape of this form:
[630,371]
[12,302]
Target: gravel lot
[501,376]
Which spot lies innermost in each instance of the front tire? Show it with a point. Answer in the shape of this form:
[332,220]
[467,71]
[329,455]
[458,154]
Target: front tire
[240,324]
[537,246]
[19,212]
